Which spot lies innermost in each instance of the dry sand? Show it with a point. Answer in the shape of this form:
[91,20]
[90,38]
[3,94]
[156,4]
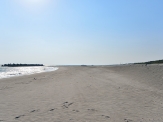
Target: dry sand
[132,93]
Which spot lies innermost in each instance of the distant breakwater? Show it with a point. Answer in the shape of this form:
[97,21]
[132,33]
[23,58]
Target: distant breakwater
[21,65]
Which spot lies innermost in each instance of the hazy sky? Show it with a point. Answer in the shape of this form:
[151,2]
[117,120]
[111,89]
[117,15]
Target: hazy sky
[80,31]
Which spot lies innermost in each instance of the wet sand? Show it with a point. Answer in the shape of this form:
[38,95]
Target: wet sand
[127,93]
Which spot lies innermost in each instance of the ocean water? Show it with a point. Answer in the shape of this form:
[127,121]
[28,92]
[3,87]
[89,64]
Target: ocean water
[6,72]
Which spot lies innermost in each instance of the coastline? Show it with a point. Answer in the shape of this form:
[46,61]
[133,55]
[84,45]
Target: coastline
[85,93]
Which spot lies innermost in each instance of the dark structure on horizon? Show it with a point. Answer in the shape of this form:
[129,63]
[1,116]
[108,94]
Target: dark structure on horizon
[21,65]
[151,62]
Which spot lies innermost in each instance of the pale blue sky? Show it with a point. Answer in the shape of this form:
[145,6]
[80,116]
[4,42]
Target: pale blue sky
[80,31]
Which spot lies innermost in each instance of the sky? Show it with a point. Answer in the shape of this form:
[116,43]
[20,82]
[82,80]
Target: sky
[75,32]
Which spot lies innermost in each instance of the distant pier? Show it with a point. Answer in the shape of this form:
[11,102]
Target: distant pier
[21,65]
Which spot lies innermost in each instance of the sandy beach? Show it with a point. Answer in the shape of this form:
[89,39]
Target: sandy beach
[127,93]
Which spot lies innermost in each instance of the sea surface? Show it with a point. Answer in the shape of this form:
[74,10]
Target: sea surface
[6,72]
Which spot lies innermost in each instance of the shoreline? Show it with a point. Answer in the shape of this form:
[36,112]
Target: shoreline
[79,94]
[19,74]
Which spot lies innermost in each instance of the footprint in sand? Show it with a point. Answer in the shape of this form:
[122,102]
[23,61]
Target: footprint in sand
[34,111]
[106,116]
[127,120]
[19,116]
[52,109]
[75,110]
[70,104]
[66,104]
[91,110]
[4,88]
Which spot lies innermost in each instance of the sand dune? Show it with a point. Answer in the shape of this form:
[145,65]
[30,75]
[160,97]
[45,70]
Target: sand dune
[128,93]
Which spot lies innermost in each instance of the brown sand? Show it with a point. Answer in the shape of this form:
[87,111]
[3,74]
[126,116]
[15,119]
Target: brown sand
[85,94]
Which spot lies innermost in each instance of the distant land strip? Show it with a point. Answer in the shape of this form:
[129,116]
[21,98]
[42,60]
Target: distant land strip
[21,65]
[151,62]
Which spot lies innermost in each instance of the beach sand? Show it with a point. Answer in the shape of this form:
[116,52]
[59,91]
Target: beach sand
[127,93]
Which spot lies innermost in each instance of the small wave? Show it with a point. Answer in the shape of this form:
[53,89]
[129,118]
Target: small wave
[12,74]
[6,72]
